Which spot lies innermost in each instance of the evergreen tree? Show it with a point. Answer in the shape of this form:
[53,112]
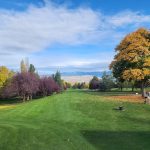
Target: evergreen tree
[107,82]
[32,68]
[57,78]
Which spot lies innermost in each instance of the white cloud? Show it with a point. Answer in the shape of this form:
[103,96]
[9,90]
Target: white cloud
[128,18]
[37,28]
[88,67]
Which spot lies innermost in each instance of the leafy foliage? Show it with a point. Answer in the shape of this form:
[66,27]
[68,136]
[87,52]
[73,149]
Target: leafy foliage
[106,83]
[81,85]
[26,85]
[94,83]
[32,68]
[132,61]
[47,86]
[57,79]
[68,85]
[23,66]
[5,74]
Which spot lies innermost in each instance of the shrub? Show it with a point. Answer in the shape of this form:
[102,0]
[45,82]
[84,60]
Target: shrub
[47,86]
[81,85]
[107,82]
[94,83]
[68,85]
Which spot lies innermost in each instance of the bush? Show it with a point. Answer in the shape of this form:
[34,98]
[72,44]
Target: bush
[94,83]
[102,86]
[81,85]
[47,86]
[107,83]
[68,85]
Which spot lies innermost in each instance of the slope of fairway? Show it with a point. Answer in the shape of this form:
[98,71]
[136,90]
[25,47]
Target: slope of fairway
[75,120]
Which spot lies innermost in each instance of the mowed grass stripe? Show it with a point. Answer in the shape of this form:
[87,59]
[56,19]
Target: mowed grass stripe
[75,120]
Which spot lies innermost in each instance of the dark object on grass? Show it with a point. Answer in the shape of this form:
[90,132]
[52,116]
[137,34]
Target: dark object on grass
[121,108]
[147,98]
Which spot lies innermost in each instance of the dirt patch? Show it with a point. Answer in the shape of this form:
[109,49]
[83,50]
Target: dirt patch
[6,106]
[127,98]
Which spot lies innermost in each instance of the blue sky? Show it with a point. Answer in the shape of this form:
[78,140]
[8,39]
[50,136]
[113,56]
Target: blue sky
[69,35]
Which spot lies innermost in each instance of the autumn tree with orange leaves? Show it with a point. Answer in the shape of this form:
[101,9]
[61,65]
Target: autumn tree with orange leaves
[133,53]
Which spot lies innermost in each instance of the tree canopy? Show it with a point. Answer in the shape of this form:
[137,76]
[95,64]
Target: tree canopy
[132,61]
[94,83]
[32,68]
[5,74]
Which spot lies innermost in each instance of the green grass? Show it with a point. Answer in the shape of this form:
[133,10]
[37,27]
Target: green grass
[75,120]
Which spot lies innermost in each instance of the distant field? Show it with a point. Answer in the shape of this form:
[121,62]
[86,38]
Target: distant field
[75,120]
[74,79]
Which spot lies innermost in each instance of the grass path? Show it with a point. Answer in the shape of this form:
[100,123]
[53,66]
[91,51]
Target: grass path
[74,120]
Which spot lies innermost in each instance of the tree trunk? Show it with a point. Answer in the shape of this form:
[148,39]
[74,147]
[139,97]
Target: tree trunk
[132,85]
[121,87]
[24,98]
[31,97]
[132,88]
[28,98]
[143,89]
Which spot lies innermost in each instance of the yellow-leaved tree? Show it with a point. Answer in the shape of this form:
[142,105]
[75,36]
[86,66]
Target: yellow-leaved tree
[5,74]
[133,53]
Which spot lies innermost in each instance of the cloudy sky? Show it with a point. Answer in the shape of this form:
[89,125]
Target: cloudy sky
[69,35]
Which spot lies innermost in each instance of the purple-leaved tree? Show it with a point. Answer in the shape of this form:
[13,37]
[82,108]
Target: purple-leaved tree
[25,85]
[47,86]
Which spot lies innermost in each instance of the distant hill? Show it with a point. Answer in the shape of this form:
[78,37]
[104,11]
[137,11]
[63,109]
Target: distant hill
[98,74]
[74,79]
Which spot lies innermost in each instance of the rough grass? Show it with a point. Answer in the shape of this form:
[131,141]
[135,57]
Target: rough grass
[75,120]
[127,98]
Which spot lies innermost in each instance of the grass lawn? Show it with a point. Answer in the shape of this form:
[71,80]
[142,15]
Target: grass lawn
[74,120]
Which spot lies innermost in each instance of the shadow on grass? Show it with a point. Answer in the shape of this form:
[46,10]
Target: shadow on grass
[118,140]
[16,100]
[10,101]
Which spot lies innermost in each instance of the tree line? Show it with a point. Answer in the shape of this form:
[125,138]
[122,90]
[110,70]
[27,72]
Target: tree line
[131,64]
[27,84]
[130,67]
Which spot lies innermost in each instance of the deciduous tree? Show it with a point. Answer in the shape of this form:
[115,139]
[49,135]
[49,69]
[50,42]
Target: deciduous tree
[94,83]
[5,74]
[25,84]
[134,51]
[47,86]
[23,67]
